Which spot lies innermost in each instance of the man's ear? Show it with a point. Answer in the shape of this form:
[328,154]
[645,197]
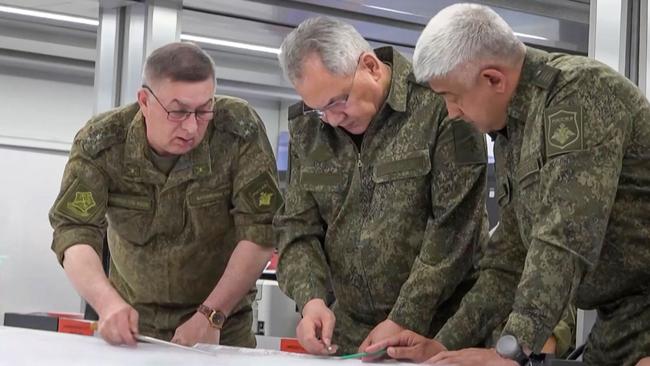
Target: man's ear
[143,100]
[494,79]
[372,63]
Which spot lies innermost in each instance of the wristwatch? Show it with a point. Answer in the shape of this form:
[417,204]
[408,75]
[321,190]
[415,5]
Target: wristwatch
[508,347]
[216,318]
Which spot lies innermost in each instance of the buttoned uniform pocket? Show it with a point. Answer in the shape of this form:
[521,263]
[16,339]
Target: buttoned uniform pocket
[131,216]
[402,186]
[208,210]
[402,180]
[328,188]
[404,166]
[401,208]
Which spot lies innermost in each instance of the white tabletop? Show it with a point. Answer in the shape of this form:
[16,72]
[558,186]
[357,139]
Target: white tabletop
[33,347]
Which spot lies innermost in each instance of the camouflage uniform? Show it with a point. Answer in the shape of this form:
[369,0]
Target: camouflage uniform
[170,237]
[564,333]
[574,188]
[393,226]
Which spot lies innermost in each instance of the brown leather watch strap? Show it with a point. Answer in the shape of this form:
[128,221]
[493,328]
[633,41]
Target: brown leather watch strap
[215,317]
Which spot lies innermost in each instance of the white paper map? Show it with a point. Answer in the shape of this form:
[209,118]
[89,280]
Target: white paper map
[23,347]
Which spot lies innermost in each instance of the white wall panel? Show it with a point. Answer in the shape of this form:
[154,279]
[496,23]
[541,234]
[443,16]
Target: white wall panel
[30,276]
[35,112]
[43,109]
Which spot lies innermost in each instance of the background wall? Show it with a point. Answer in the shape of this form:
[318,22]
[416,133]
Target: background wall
[36,108]
[30,277]
[43,110]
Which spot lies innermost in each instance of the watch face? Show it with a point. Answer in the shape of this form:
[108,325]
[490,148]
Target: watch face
[508,347]
[217,318]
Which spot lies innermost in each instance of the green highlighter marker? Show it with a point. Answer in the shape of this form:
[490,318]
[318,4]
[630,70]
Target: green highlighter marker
[381,352]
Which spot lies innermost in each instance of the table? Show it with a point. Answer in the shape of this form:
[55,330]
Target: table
[20,347]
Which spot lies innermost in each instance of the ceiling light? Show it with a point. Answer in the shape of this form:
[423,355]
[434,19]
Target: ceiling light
[221,42]
[530,36]
[389,9]
[48,15]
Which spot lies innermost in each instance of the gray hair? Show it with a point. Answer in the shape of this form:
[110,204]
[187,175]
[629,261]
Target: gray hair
[178,61]
[337,44]
[464,36]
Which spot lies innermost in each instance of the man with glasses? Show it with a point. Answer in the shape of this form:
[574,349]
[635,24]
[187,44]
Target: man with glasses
[385,204]
[183,183]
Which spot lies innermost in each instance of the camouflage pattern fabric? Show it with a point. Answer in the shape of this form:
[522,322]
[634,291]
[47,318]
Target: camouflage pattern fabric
[574,188]
[170,237]
[392,228]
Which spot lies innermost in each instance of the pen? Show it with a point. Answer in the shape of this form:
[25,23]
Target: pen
[381,352]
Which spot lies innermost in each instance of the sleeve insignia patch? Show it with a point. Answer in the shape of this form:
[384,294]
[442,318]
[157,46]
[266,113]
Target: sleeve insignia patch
[262,195]
[79,202]
[83,202]
[563,130]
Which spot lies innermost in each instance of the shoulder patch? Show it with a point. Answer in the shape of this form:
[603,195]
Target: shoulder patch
[236,116]
[563,130]
[262,194]
[80,202]
[101,138]
[469,145]
[106,129]
[545,77]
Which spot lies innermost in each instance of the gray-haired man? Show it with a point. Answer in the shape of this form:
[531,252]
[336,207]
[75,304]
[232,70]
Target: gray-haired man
[386,198]
[571,144]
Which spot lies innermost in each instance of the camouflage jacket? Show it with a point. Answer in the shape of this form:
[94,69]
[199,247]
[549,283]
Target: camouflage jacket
[393,227]
[574,185]
[170,237]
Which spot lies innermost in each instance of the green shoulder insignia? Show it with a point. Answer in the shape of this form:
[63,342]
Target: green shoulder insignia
[80,202]
[469,146]
[545,76]
[563,130]
[262,194]
[106,129]
[236,116]
[100,138]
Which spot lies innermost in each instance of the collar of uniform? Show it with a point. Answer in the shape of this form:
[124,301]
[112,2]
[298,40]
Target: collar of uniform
[533,61]
[195,164]
[401,69]
[136,164]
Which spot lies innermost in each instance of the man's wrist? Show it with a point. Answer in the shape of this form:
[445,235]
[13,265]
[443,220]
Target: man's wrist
[215,317]
[509,348]
[314,302]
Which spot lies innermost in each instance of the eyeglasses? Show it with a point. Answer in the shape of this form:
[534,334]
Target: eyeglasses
[180,116]
[337,106]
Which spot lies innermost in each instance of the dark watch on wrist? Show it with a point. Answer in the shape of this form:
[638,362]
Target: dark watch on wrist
[216,318]
[508,347]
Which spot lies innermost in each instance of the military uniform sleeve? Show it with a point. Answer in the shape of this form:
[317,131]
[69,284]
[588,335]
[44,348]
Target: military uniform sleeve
[256,196]
[488,303]
[302,269]
[564,332]
[585,132]
[78,214]
[455,229]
